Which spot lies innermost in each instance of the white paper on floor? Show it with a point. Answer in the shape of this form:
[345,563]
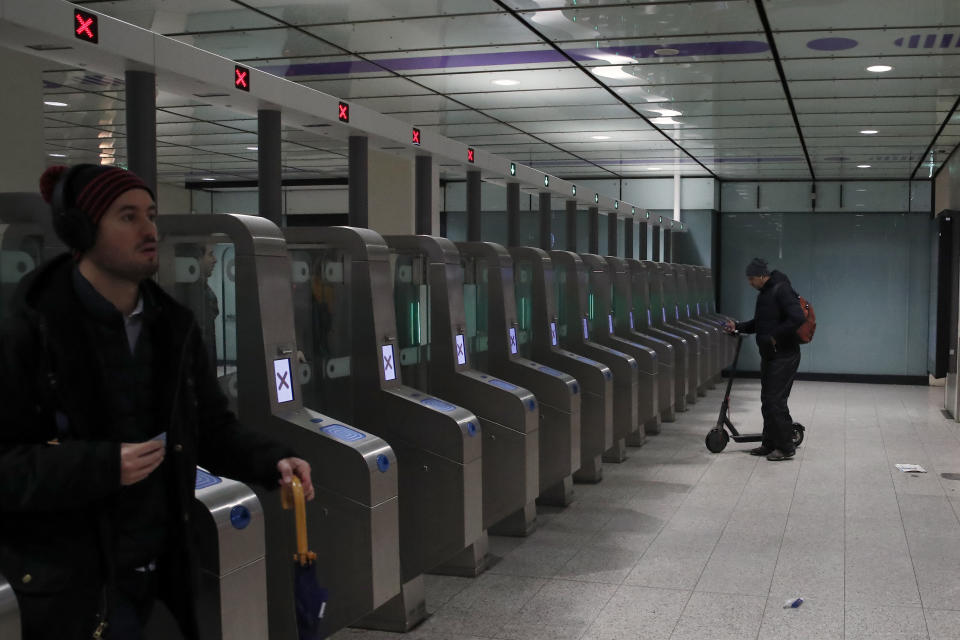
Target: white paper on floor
[911,468]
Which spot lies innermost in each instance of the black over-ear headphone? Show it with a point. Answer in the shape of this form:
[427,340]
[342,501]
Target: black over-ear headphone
[72,225]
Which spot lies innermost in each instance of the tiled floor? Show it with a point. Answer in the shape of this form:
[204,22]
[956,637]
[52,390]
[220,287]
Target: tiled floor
[680,543]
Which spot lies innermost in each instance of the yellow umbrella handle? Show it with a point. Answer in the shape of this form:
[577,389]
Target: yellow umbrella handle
[291,497]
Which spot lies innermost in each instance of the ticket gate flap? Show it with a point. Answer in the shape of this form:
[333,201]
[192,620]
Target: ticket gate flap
[231,523]
[620,363]
[498,400]
[647,364]
[429,423]
[9,611]
[582,367]
[345,460]
[552,384]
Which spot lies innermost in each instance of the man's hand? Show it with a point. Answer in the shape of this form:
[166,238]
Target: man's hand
[730,326]
[288,467]
[139,460]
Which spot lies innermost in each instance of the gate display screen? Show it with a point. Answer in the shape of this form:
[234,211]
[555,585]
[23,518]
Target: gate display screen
[389,363]
[553,334]
[461,349]
[513,340]
[283,380]
[610,321]
[586,330]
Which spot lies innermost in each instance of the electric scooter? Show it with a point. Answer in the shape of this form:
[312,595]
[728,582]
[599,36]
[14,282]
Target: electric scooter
[718,437]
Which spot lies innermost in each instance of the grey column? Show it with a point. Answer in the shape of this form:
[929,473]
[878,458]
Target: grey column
[141,127]
[423,196]
[644,229]
[593,222]
[612,234]
[359,172]
[545,213]
[513,214]
[474,227]
[655,241]
[628,237]
[571,221]
[269,165]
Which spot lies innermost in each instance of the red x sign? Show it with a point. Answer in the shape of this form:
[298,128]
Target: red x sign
[241,78]
[344,112]
[85,26]
[416,136]
[470,155]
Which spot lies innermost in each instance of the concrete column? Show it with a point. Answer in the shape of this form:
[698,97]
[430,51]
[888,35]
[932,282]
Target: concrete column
[593,225]
[269,165]
[513,214]
[644,230]
[612,234]
[571,222]
[390,193]
[545,212]
[628,237]
[424,196]
[474,207]
[359,171]
[141,110]
[25,157]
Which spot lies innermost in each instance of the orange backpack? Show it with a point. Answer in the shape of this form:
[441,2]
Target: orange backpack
[806,330]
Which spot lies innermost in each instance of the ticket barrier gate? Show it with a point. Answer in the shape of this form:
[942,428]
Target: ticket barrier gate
[664,322]
[493,334]
[671,297]
[345,316]
[625,326]
[9,611]
[686,306]
[26,240]
[435,356]
[353,522]
[603,326]
[706,307]
[572,284]
[538,338]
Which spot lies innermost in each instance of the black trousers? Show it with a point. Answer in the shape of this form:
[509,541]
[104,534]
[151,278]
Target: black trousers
[776,380]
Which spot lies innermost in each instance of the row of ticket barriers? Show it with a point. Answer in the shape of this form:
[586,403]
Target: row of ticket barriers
[440,391]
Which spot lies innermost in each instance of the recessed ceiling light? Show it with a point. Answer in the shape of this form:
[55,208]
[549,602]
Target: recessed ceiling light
[208,179]
[666,51]
[663,121]
[253,148]
[860,190]
[57,155]
[611,58]
[868,132]
[667,113]
[615,72]
[863,166]
[506,83]
[600,137]
[54,103]
[653,168]
[880,68]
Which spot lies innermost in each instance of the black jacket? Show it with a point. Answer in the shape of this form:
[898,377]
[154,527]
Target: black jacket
[60,463]
[778,315]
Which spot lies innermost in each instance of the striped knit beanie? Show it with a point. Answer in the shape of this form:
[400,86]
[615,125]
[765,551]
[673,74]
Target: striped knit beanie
[92,188]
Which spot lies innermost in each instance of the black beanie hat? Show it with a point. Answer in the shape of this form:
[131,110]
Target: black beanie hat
[757,267]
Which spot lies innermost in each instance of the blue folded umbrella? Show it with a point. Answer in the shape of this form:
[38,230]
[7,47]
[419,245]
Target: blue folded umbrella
[310,597]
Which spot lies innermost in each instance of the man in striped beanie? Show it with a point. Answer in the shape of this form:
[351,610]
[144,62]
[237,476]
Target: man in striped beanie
[110,403]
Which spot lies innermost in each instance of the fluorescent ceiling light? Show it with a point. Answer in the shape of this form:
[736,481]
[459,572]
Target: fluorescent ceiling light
[666,51]
[664,121]
[208,179]
[667,113]
[863,166]
[616,73]
[868,132]
[600,137]
[54,103]
[880,68]
[653,168]
[253,148]
[612,58]
[505,82]
[57,155]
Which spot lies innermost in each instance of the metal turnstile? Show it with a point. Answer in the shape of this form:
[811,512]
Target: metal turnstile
[572,288]
[661,320]
[538,338]
[604,327]
[353,523]
[346,321]
[671,306]
[706,307]
[9,611]
[627,325]
[493,335]
[436,357]
[686,305]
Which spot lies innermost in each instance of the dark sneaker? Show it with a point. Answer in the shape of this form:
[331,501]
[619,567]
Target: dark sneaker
[777,455]
[760,451]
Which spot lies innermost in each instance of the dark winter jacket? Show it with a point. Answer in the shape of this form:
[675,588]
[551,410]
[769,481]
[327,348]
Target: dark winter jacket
[777,317]
[60,460]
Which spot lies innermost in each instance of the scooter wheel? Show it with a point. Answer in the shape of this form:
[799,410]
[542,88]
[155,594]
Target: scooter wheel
[717,440]
[798,430]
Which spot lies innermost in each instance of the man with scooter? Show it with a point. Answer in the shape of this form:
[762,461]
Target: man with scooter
[777,317]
